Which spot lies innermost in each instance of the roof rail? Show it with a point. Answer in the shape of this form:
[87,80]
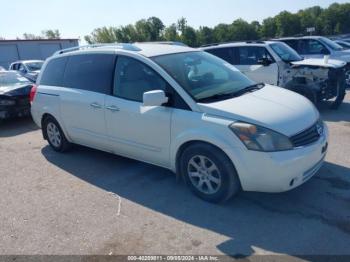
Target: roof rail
[125,46]
[213,44]
[255,42]
[233,42]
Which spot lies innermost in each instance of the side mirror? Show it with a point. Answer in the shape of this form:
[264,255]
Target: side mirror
[265,61]
[154,98]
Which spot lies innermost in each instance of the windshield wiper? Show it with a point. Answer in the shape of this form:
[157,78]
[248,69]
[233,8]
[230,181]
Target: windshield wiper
[248,89]
[216,97]
[223,96]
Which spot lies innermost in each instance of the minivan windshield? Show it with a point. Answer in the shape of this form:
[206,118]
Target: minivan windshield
[204,76]
[285,52]
[331,44]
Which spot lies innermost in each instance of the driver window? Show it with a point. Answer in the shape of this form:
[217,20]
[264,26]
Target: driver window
[133,78]
[312,47]
[250,55]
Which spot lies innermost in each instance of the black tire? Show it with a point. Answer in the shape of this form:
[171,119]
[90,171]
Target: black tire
[63,145]
[341,91]
[229,185]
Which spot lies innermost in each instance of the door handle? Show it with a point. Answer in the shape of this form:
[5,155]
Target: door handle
[95,105]
[113,108]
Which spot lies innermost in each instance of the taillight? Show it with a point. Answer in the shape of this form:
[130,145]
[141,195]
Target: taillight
[32,93]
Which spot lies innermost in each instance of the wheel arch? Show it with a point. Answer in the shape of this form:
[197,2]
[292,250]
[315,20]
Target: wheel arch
[44,117]
[181,148]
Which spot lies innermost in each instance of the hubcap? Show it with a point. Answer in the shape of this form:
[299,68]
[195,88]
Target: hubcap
[53,134]
[204,174]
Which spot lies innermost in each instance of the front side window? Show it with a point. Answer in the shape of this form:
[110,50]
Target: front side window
[133,78]
[252,55]
[312,47]
[90,72]
[285,52]
[203,75]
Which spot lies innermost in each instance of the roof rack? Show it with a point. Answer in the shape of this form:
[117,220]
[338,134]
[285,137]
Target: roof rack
[125,46]
[232,42]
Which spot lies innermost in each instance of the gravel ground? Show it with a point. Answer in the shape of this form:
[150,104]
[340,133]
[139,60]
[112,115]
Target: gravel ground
[90,202]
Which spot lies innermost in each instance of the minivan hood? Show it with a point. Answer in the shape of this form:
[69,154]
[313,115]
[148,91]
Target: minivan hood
[273,107]
[332,63]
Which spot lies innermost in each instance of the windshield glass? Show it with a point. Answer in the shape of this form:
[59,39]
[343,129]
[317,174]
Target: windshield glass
[203,75]
[285,52]
[344,44]
[12,78]
[331,44]
[34,66]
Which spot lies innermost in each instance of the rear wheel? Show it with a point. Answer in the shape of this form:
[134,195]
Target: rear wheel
[54,135]
[209,173]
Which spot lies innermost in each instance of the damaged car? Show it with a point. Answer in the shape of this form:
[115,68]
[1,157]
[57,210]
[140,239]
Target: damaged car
[276,63]
[14,95]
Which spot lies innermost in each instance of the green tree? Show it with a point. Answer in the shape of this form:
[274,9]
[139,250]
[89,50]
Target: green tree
[171,33]
[205,35]
[268,28]
[51,34]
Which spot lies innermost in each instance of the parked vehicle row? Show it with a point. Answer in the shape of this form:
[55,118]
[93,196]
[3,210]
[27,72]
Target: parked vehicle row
[277,64]
[185,110]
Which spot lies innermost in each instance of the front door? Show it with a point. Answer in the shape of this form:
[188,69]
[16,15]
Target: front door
[134,130]
[249,63]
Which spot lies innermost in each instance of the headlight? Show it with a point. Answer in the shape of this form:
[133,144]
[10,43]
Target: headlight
[259,138]
[7,102]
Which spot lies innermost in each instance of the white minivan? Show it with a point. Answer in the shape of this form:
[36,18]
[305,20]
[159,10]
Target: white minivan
[184,110]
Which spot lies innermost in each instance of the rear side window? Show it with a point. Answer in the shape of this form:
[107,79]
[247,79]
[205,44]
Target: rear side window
[54,71]
[293,44]
[224,53]
[90,72]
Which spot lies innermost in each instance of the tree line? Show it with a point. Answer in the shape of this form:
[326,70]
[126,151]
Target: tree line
[327,21]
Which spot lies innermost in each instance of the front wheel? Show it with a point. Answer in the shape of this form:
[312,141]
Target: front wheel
[209,173]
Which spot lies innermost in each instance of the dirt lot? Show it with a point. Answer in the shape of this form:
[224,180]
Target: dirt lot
[90,202]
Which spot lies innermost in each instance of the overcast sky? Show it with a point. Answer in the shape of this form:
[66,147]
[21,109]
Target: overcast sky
[76,18]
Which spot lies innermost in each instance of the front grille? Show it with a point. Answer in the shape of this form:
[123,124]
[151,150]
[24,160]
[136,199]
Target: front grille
[307,137]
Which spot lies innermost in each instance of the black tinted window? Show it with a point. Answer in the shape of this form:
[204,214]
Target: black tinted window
[311,47]
[53,73]
[90,72]
[224,53]
[133,78]
[250,55]
[292,43]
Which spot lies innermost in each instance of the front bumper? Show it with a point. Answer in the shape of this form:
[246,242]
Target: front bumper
[279,171]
